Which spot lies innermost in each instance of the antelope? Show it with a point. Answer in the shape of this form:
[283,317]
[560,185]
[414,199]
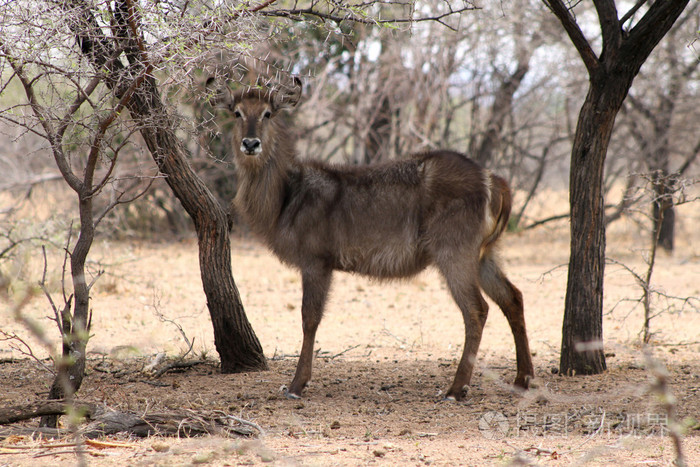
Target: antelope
[389,220]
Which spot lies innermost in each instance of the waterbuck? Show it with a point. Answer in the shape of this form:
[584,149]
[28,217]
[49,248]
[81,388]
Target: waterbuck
[388,220]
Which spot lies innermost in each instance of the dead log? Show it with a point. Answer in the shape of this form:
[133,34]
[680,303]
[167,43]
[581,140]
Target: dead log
[186,423]
[17,413]
[104,421]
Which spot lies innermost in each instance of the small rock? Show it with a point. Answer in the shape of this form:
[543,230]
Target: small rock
[203,457]
[378,453]
[266,455]
[160,446]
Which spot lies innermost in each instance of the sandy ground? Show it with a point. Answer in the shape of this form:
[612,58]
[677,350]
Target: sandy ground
[385,354]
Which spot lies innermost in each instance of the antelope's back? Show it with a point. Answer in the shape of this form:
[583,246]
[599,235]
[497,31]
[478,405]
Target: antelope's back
[387,220]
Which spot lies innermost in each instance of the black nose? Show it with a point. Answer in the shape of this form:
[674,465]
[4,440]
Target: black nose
[250,145]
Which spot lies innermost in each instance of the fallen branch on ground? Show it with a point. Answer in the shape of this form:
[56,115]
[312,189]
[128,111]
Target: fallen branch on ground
[105,422]
[17,413]
[179,365]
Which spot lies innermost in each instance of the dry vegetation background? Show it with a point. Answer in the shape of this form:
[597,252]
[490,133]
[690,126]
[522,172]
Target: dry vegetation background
[385,353]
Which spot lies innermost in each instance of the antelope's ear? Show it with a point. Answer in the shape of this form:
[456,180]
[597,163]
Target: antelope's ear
[218,95]
[288,97]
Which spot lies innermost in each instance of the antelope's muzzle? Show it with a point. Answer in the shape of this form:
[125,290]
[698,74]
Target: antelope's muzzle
[251,146]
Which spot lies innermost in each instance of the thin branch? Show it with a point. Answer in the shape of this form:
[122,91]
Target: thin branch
[66,254]
[546,220]
[689,160]
[113,162]
[590,60]
[34,180]
[27,351]
[83,95]
[632,11]
[14,243]
[299,14]
[119,199]
[42,286]
[73,181]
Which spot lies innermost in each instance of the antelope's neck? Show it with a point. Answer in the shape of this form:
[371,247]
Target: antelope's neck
[261,193]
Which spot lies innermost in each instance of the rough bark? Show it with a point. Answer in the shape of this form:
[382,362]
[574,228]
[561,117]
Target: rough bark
[234,338]
[583,318]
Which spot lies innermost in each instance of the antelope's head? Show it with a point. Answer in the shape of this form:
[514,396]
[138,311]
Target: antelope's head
[256,133]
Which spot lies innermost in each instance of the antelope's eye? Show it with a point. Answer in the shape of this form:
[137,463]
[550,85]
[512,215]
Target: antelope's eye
[266,114]
[237,113]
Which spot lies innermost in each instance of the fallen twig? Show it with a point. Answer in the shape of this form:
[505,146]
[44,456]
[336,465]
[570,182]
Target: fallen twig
[178,365]
[108,444]
[332,357]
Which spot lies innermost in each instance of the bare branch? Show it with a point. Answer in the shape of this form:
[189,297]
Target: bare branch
[632,11]
[44,119]
[609,25]
[120,197]
[350,15]
[590,60]
[24,349]
[42,285]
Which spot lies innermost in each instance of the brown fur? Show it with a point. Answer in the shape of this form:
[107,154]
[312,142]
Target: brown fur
[390,220]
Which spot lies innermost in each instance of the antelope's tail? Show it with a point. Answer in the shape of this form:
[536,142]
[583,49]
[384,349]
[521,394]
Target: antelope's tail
[498,206]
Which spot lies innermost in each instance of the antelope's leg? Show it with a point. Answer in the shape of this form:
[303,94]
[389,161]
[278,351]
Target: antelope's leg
[315,285]
[510,300]
[474,311]
[461,280]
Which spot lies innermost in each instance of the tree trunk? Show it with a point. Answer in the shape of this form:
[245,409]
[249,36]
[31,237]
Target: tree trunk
[664,222]
[611,74]
[234,338]
[378,141]
[500,109]
[663,215]
[582,334]
[75,328]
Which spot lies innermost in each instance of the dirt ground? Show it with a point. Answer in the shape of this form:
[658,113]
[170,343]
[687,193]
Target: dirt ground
[386,353]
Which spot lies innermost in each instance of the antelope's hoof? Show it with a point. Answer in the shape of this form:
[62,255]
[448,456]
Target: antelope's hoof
[455,396]
[290,394]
